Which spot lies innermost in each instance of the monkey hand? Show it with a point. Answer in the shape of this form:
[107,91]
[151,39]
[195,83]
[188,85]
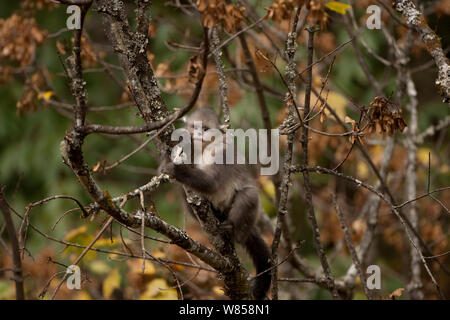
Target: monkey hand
[167,167]
[228,228]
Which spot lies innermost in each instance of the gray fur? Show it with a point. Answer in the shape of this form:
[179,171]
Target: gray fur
[233,193]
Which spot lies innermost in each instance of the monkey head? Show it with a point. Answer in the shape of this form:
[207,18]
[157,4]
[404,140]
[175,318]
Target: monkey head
[200,121]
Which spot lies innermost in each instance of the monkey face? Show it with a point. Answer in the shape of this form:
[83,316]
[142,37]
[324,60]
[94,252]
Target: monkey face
[200,121]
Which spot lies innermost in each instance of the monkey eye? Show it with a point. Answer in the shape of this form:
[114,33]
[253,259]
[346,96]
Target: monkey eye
[206,128]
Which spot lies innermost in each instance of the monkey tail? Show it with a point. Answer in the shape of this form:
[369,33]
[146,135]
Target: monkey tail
[260,254]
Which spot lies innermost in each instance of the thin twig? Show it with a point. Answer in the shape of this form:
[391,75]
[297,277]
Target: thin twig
[351,247]
[83,253]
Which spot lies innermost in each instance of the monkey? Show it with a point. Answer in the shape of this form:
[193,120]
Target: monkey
[233,194]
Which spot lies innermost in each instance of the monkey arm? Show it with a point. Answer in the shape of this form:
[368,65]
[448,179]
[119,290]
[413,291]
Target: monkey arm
[243,212]
[205,181]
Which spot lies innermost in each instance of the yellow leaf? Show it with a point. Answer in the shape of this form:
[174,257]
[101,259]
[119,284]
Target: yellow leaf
[338,7]
[268,186]
[114,256]
[158,254]
[337,102]
[75,233]
[80,236]
[111,282]
[218,290]
[169,294]
[362,170]
[136,267]
[422,155]
[107,242]
[377,152]
[178,267]
[83,295]
[158,289]
[45,95]
[149,268]
[99,267]
[7,290]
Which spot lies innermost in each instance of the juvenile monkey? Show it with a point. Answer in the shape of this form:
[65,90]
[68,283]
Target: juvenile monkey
[233,194]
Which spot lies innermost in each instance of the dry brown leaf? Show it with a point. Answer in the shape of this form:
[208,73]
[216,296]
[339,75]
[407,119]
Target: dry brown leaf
[396,293]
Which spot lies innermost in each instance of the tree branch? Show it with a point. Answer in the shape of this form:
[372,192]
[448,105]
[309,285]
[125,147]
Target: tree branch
[415,19]
[12,234]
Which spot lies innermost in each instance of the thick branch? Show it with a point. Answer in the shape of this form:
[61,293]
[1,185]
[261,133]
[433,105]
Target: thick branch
[432,43]
[12,234]
[131,49]
[308,196]
[288,158]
